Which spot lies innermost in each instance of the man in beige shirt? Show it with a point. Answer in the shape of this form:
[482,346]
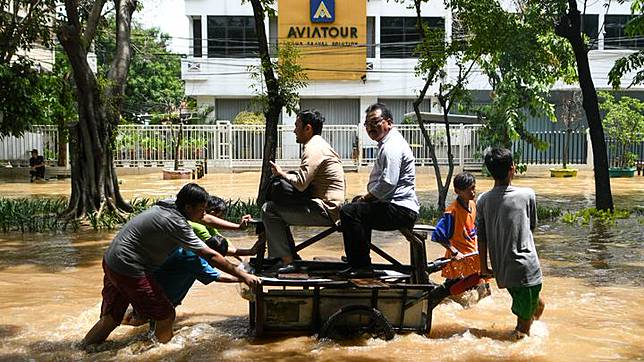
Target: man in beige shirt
[321,173]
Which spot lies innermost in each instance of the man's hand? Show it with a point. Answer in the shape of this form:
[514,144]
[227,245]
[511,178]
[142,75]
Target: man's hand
[458,256]
[251,280]
[276,169]
[243,222]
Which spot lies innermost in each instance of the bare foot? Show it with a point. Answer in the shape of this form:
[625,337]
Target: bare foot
[517,335]
[130,319]
[539,311]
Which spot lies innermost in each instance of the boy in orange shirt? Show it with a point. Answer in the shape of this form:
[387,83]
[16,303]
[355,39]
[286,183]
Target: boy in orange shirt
[456,231]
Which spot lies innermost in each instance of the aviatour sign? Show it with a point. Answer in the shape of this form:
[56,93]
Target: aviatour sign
[330,34]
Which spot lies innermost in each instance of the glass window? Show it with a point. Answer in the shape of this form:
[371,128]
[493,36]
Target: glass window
[615,36]
[232,37]
[399,37]
[589,26]
[196,37]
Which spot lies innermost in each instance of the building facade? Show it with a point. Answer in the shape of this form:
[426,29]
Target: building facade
[223,45]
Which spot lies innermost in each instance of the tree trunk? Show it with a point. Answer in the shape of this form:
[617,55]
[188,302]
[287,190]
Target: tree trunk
[93,177]
[275,101]
[569,28]
[566,145]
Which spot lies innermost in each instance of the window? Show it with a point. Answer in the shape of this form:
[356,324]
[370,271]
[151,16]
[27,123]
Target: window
[272,35]
[399,37]
[589,26]
[616,36]
[232,37]
[196,37]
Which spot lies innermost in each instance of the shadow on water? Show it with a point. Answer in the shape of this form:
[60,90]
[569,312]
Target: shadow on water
[9,330]
[599,254]
[53,252]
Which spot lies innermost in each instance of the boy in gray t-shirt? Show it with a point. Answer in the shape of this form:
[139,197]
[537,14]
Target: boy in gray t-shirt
[506,217]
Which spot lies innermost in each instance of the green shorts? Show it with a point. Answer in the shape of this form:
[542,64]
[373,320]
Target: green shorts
[525,301]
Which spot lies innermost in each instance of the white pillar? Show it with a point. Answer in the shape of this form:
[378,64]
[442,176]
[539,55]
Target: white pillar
[290,147]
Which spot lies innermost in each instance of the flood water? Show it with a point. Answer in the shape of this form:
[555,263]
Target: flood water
[50,291]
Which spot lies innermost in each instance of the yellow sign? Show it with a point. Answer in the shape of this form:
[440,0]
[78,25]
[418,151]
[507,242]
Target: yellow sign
[331,36]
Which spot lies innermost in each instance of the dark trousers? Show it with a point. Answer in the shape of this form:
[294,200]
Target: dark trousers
[359,218]
[39,172]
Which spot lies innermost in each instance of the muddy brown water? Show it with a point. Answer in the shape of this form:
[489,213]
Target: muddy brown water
[50,291]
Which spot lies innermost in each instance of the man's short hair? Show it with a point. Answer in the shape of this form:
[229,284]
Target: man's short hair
[498,161]
[191,194]
[385,112]
[216,204]
[34,151]
[464,180]
[312,117]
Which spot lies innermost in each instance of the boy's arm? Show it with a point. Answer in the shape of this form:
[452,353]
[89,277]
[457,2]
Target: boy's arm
[533,211]
[218,261]
[444,232]
[213,221]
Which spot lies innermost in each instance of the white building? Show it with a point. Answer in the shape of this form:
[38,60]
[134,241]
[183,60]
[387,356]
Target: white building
[223,45]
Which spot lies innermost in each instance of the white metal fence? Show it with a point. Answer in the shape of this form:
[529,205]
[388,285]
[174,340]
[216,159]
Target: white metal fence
[241,146]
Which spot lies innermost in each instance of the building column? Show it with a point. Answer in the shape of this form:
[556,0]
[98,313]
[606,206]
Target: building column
[290,148]
[204,36]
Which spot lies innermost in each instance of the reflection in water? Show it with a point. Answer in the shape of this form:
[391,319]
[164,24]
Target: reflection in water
[593,289]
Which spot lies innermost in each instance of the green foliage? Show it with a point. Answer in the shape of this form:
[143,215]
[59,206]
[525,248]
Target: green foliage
[632,62]
[245,117]
[33,215]
[548,213]
[238,208]
[290,78]
[20,92]
[24,25]
[586,216]
[624,122]
[429,214]
[154,82]
[522,58]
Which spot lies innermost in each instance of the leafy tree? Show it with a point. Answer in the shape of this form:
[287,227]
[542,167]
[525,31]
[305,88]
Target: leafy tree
[519,54]
[568,27]
[433,54]
[635,61]
[94,181]
[154,82]
[624,122]
[282,79]
[23,25]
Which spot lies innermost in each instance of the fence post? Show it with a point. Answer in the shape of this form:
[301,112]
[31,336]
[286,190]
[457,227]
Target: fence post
[461,150]
[589,150]
[229,131]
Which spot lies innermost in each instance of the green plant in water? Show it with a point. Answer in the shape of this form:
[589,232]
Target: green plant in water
[548,213]
[585,216]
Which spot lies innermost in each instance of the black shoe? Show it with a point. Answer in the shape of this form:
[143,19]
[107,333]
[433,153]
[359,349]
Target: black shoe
[357,272]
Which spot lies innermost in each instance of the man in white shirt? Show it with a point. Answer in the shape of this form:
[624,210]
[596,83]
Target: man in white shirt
[390,202]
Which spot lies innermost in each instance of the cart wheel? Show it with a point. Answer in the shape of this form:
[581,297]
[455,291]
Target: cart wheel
[354,321]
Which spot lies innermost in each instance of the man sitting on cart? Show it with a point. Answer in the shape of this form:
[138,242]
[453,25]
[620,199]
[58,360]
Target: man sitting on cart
[390,202]
[320,174]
